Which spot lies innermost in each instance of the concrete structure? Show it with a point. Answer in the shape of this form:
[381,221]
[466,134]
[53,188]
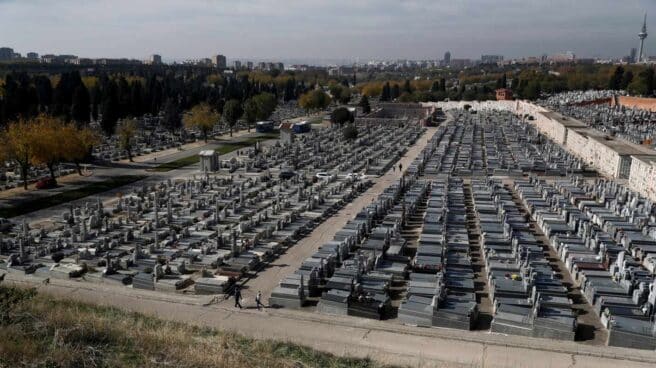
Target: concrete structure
[286,133]
[6,53]
[209,161]
[219,61]
[32,55]
[642,35]
[237,64]
[155,59]
[447,58]
[642,177]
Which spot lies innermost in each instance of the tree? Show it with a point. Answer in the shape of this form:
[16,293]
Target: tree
[644,83]
[395,92]
[232,111]
[49,140]
[110,106]
[407,87]
[340,116]
[79,142]
[201,117]
[364,104]
[126,133]
[250,112]
[313,100]
[266,105]
[616,79]
[81,105]
[171,119]
[386,93]
[627,79]
[435,86]
[442,84]
[18,146]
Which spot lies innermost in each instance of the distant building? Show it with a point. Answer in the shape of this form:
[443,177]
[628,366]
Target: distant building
[491,59]
[280,66]
[460,63]
[237,64]
[504,94]
[447,58]
[32,56]
[6,53]
[249,65]
[565,57]
[219,61]
[155,59]
[633,56]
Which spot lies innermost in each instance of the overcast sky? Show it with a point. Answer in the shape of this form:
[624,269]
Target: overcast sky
[365,29]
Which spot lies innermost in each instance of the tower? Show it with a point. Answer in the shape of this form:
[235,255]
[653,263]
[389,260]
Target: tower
[642,35]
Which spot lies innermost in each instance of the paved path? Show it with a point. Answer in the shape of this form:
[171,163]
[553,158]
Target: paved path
[386,342]
[289,262]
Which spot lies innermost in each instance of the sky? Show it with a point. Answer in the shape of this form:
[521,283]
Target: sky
[325,29]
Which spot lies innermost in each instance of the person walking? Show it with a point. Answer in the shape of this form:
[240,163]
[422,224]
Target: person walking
[238,297]
[258,300]
[400,167]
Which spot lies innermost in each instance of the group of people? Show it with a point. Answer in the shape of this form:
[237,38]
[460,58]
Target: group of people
[238,298]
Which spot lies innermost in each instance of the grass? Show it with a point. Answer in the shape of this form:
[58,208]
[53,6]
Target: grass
[70,195]
[182,162]
[40,331]
[225,148]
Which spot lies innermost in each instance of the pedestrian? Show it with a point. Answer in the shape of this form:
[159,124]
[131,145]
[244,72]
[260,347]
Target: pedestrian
[238,297]
[400,167]
[258,300]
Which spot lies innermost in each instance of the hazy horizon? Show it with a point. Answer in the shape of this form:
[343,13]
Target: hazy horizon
[325,30]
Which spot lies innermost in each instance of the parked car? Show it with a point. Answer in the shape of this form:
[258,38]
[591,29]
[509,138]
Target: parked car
[323,176]
[46,183]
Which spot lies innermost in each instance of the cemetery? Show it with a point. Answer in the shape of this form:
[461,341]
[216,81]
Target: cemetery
[205,233]
[480,232]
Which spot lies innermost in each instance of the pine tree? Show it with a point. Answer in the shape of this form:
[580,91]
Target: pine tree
[364,104]
[80,106]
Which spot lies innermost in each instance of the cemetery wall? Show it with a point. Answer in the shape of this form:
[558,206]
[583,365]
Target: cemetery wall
[643,175]
[638,102]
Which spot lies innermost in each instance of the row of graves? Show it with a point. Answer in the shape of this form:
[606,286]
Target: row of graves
[377,148]
[151,136]
[355,272]
[606,236]
[441,287]
[633,124]
[496,143]
[580,97]
[528,297]
[203,234]
[200,235]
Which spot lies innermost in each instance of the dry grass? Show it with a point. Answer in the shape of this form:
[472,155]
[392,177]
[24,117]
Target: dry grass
[38,331]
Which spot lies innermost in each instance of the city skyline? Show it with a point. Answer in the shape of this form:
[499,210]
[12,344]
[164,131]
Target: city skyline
[336,30]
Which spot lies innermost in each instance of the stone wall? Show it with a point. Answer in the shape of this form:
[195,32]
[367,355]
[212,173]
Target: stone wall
[637,102]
